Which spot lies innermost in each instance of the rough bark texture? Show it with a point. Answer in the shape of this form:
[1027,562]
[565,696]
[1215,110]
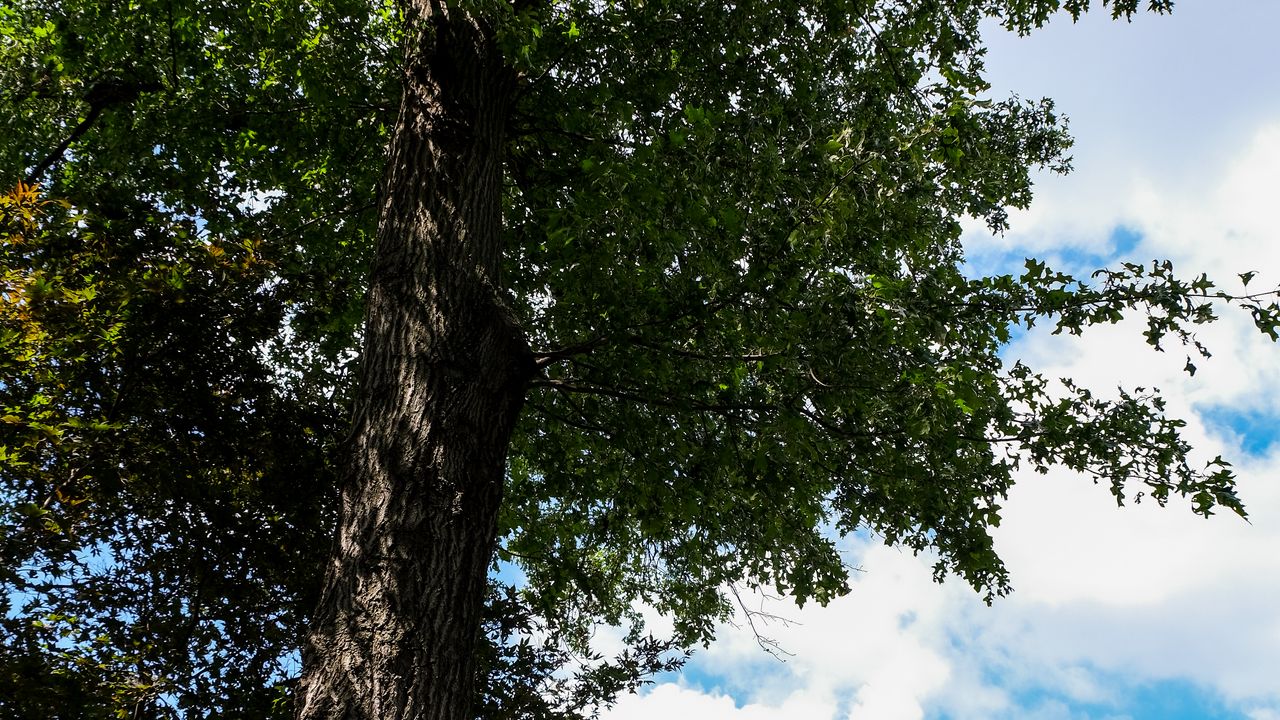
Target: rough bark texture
[444,375]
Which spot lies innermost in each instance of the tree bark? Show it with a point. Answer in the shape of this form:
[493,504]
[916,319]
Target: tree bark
[443,378]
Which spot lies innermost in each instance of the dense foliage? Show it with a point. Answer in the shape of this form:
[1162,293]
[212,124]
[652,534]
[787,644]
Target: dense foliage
[732,240]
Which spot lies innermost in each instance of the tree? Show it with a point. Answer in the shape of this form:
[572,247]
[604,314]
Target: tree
[654,295]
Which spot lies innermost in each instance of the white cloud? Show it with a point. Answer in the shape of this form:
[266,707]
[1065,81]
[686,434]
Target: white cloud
[670,700]
[1166,97]
[867,656]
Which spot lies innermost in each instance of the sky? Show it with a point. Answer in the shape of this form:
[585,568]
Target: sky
[1117,613]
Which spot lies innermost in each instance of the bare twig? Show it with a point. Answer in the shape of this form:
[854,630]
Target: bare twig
[769,645]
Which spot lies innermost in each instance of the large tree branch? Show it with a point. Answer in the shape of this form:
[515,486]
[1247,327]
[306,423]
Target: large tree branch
[100,96]
[77,132]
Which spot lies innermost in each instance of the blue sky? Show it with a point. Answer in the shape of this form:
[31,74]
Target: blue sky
[1135,612]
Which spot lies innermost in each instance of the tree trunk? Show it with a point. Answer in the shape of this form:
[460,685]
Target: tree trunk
[444,374]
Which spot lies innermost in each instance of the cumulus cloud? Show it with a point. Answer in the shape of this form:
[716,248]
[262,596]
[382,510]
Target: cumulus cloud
[671,700]
[1167,99]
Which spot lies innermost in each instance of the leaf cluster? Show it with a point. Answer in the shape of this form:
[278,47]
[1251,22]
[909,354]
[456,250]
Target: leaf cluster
[731,238]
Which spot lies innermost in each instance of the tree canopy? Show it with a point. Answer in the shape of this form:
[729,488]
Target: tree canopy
[730,235]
